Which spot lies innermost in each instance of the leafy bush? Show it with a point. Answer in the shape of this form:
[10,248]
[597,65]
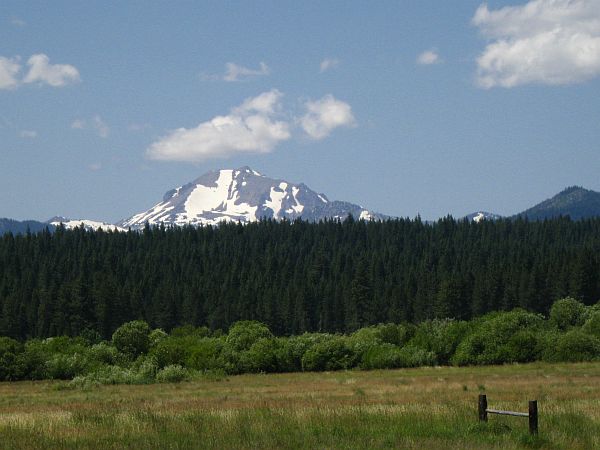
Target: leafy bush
[66,367]
[411,356]
[262,356]
[382,356]
[204,355]
[567,313]
[573,346]
[132,338]
[397,334]
[9,351]
[172,374]
[492,341]
[31,364]
[592,325]
[243,334]
[441,337]
[334,353]
[292,350]
[104,354]
[173,350]
[156,336]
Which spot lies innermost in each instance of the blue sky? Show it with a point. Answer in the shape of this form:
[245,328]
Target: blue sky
[406,107]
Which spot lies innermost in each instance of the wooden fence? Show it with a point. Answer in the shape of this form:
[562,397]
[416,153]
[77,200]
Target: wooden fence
[532,414]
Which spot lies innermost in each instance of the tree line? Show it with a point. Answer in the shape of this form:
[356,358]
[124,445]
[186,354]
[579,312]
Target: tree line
[295,277]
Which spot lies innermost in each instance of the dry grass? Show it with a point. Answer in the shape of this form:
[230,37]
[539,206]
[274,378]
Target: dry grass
[415,408]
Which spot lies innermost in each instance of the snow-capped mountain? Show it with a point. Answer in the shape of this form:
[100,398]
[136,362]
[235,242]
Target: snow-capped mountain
[242,195]
[94,225]
[482,215]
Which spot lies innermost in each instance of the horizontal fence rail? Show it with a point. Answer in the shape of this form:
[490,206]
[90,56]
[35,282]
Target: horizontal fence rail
[532,414]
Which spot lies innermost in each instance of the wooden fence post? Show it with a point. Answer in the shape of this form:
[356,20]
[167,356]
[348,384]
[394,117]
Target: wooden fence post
[533,417]
[483,408]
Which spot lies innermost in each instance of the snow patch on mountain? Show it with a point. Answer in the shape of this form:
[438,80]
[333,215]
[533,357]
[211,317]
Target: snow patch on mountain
[482,215]
[91,225]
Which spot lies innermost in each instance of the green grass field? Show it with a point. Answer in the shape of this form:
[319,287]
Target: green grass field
[411,408]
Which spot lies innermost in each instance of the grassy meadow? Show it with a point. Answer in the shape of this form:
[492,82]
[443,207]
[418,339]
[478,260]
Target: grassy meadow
[406,408]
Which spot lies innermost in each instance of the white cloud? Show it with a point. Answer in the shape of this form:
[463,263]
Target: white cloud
[56,75]
[28,134]
[9,71]
[552,42]
[249,128]
[235,72]
[324,115]
[428,57]
[329,63]
[96,123]
[94,167]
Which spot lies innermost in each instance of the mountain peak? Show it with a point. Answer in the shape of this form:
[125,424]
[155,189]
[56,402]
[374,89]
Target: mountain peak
[242,195]
[574,201]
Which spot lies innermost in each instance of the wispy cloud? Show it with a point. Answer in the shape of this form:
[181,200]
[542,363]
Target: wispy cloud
[94,167]
[328,64]
[324,115]
[137,127]
[100,126]
[78,124]
[28,134]
[95,123]
[17,22]
[235,72]
[553,42]
[429,57]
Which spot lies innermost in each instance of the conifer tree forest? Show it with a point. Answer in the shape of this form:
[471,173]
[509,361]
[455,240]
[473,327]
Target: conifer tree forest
[333,276]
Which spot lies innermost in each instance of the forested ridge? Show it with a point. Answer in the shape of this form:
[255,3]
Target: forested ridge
[330,276]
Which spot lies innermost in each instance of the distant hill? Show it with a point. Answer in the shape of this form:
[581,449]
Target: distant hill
[575,202]
[16,227]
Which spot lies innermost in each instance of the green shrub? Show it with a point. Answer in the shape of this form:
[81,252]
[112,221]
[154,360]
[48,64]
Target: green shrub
[573,346]
[396,334]
[31,363]
[104,354]
[9,351]
[567,313]
[411,356]
[172,374]
[492,340]
[441,337]
[66,367]
[132,338]
[156,336]
[334,353]
[292,350]
[204,355]
[382,356]
[262,356]
[592,325]
[243,334]
[173,350]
